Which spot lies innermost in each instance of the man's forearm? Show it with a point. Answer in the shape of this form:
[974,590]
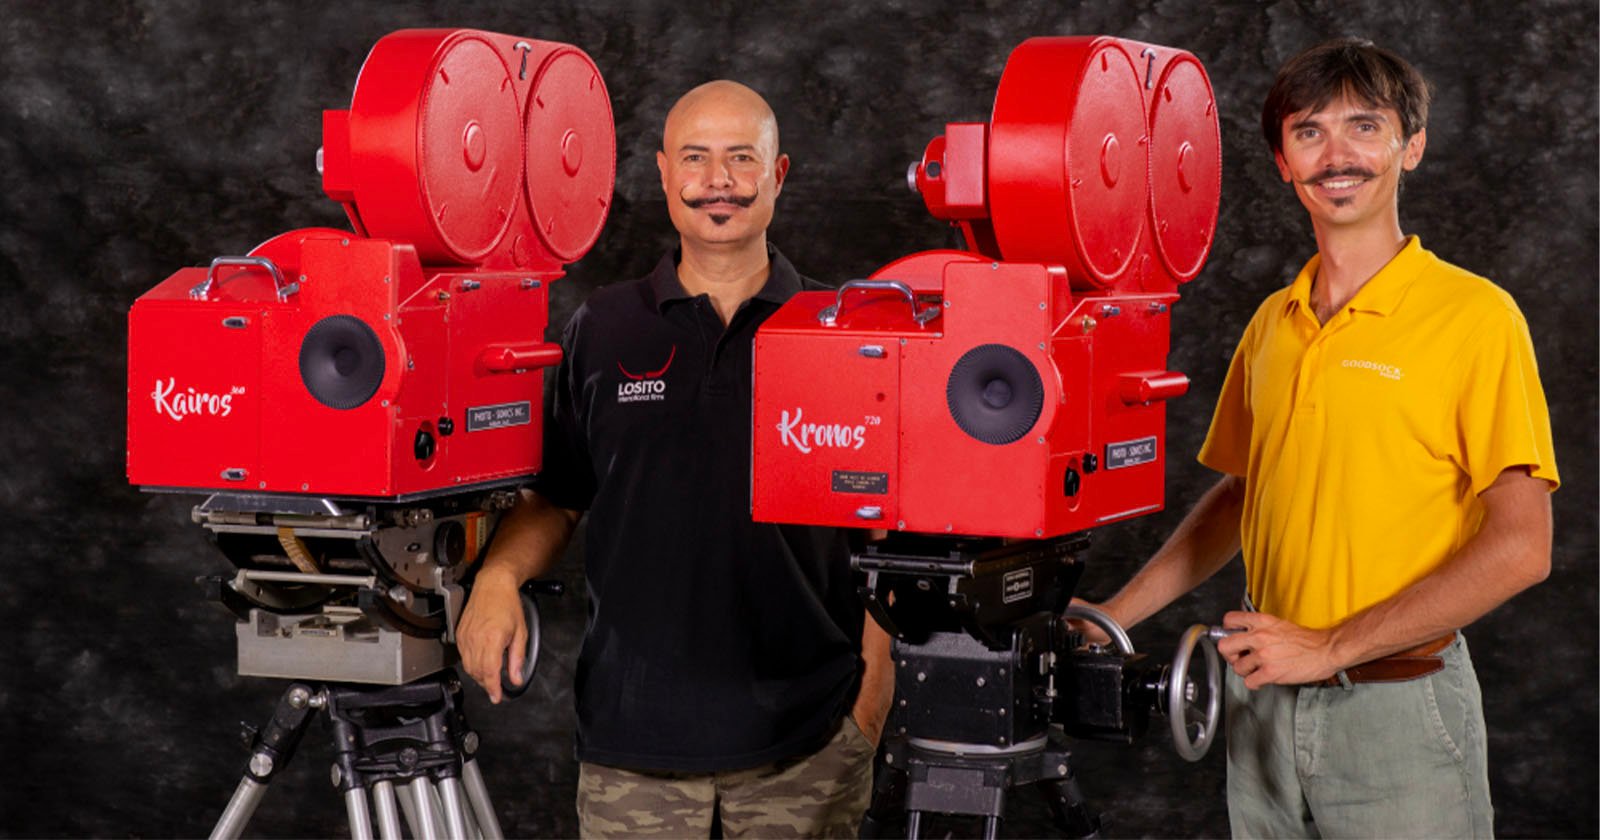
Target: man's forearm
[1510,553]
[1203,542]
[877,680]
[529,540]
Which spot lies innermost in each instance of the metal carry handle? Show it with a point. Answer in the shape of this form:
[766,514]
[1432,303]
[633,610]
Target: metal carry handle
[284,289]
[1105,622]
[830,314]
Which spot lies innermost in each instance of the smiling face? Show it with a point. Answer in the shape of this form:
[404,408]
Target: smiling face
[720,166]
[1345,160]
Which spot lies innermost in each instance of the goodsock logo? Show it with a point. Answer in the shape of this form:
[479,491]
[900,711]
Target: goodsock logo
[1383,370]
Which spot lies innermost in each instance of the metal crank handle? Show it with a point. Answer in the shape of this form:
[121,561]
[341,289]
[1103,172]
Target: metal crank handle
[1178,692]
[530,657]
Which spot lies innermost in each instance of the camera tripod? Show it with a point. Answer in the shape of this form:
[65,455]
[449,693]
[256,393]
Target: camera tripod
[930,777]
[407,745]
[991,679]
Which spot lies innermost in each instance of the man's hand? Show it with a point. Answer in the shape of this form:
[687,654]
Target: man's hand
[1272,651]
[491,628]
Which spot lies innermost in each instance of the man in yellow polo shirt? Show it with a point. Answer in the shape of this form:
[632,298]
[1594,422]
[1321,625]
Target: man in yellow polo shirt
[1387,464]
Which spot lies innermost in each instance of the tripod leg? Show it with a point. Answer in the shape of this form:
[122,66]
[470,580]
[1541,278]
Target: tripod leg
[913,825]
[408,805]
[388,816]
[243,804]
[455,813]
[478,796]
[429,825]
[1067,806]
[888,804]
[355,806]
[991,827]
[270,751]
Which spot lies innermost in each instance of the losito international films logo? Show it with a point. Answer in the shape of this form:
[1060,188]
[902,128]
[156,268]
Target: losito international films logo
[178,404]
[647,386]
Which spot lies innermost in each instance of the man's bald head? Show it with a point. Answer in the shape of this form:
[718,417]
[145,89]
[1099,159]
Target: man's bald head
[721,170]
[723,97]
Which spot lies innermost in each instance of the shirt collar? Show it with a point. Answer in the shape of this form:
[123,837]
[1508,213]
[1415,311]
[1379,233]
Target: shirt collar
[782,281]
[1381,294]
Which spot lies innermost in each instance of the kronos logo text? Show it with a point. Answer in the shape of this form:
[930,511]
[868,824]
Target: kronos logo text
[804,436]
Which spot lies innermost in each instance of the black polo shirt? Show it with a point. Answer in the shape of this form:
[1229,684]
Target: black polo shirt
[714,642]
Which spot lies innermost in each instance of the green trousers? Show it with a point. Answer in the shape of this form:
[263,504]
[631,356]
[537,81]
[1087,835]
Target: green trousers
[1404,759]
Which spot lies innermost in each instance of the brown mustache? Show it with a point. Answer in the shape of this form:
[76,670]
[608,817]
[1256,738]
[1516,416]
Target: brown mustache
[1349,171]
[737,200]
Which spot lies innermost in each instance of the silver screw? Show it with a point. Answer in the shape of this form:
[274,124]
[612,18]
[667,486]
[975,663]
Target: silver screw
[261,764]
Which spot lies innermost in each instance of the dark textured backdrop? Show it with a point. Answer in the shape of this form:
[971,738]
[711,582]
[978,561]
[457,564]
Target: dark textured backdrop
[136,138]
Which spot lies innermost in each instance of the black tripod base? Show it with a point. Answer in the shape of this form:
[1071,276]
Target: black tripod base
[398,747]
[917,779]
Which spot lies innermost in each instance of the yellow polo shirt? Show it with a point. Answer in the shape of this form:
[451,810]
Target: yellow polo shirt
[1365,442]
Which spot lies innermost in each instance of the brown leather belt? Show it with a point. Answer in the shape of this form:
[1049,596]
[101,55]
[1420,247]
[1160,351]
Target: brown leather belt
[1417,662]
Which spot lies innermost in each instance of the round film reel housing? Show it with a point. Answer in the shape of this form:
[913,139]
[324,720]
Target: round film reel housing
[477,148]
[1069,172]
[570,154]
[1185,167]
[436,143]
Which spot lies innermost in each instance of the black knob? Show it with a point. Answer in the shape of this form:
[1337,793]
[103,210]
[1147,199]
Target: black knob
[446,426]
[1070,483]
[423,446]
[1090,463]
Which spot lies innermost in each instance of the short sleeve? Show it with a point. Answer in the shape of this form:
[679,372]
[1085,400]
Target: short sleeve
[1501,419]
[566,477]
[1227,445]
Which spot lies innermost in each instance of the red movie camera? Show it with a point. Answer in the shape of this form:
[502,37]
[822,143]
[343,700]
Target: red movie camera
[1017,388]
[405,359]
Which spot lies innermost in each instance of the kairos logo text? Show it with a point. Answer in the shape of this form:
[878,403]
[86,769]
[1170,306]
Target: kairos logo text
[793,431]
[180,404]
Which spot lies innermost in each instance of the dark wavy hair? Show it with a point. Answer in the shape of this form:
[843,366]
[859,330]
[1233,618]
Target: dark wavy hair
[1355,66]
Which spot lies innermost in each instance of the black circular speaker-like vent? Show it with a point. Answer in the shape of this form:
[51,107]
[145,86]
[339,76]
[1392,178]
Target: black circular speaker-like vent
[341,361]
[994,394]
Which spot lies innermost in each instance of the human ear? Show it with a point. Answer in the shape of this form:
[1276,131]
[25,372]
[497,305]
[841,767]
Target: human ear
[780,170]
[1414,149]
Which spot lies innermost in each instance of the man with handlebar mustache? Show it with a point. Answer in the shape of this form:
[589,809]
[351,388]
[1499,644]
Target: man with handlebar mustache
[1387,465]
[727,668]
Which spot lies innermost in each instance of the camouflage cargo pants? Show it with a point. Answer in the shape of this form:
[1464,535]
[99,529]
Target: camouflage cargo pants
[819,795]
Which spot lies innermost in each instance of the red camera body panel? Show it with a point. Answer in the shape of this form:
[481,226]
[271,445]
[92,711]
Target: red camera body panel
[1016,389]
[404,359]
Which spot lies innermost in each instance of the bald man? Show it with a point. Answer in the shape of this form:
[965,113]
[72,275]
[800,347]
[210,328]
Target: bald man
[723,670]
